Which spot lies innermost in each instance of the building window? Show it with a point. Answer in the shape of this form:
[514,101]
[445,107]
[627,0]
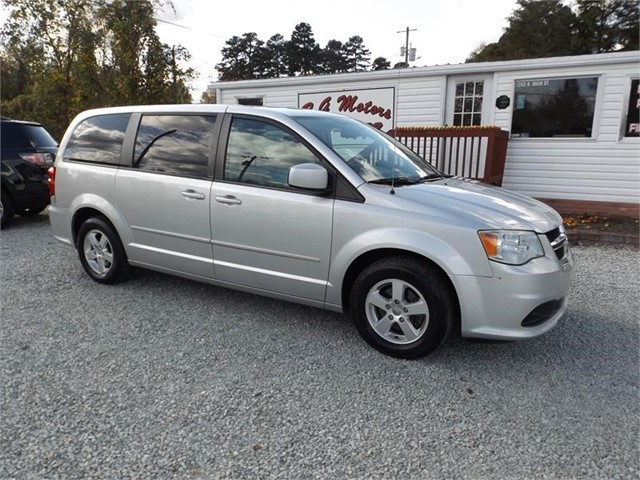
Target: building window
[558,107]
[467,109]
[255,102]
[632,123]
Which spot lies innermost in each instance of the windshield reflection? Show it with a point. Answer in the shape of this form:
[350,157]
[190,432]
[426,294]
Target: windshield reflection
[371,154]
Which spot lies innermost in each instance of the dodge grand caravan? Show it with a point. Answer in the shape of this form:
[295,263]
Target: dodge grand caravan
[313,208]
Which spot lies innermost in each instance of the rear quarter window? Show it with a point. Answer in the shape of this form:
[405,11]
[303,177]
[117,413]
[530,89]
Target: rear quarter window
[98,139]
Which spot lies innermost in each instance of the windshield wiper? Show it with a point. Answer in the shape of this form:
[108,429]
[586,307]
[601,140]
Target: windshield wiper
[433,176]
[393,181]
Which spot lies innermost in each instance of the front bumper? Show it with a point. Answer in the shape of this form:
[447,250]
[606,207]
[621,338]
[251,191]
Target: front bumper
[496,307]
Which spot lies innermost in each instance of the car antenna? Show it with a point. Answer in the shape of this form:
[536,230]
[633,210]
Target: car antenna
[393,176]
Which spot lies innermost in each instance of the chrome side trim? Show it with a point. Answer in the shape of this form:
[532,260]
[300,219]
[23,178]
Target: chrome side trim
[288,276]
[173,253]
[264,250]
[170,234]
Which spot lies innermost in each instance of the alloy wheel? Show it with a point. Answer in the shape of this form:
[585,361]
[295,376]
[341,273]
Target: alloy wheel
[98,252]
[397,311]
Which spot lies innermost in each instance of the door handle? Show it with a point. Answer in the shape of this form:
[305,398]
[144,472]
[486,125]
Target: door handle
[193,195]
[228,200]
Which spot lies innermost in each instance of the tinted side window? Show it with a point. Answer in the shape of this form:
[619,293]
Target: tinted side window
[174,144]
[261,153]
[39,137]
[13,137]
[98,139]
[18,135]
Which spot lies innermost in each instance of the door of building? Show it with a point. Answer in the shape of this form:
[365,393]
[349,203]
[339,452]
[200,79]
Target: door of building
[469,100]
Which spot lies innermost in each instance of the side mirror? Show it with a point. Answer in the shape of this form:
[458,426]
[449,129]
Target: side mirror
[309,176]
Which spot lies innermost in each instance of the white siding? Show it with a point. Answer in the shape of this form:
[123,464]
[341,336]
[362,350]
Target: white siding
[420,101]
[272,96]
[605,167]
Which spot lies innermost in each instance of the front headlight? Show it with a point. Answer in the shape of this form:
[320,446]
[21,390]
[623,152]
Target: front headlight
[514,247]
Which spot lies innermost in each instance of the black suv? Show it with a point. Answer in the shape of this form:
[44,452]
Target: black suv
[27,151]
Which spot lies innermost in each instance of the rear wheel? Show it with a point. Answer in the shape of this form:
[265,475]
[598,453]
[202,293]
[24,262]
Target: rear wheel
[101,252]
[403,307]
[6,209]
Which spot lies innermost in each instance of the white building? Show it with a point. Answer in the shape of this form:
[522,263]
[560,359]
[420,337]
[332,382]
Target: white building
[575,131]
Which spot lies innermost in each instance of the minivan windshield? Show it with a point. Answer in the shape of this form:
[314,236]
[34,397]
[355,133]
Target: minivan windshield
[373,155]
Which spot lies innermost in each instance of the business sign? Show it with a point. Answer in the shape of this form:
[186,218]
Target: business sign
[632,125]
[375,106]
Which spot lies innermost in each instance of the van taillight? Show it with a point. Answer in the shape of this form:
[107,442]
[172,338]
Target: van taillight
[51,181]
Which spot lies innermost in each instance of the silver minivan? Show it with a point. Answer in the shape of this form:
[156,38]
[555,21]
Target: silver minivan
[310,207]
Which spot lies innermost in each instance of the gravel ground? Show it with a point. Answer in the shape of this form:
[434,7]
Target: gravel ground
[165,378]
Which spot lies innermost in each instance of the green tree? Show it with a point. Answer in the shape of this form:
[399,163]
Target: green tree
[536,29]
[334,58]
[247,57]
[275,54]
[59,57]
[626,24]
[59,30]
[607,25]
[242,58]
[18,61]
[208,97]
[303,52]
[380,63]
[357,55]
[555,28]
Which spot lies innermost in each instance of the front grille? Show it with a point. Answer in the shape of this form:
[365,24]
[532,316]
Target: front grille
[558,241]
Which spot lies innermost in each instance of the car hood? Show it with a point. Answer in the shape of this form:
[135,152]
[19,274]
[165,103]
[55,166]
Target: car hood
[485,205]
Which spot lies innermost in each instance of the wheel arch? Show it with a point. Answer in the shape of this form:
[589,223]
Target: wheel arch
[372,256]
[83,214]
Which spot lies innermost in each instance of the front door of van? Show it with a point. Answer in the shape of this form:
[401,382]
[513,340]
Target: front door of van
[164,197]
[267,235]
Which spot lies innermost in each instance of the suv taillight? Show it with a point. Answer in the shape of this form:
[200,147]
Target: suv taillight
[38,159]
[51,181]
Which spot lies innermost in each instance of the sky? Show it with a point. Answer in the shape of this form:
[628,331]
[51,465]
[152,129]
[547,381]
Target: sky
[446,30]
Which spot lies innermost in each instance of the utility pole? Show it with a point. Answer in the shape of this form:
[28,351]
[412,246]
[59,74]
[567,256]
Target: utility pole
[174,86]
[406,45]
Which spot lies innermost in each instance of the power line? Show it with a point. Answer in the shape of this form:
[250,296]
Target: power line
[188,28]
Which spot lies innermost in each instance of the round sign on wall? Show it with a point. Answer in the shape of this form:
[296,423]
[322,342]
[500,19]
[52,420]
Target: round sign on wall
[503,102]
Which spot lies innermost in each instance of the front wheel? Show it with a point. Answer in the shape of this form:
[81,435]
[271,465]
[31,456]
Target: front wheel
[403,307]
[101,252]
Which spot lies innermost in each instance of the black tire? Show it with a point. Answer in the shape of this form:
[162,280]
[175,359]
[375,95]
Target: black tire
[101,252]
[421,288]
[32,212]
[8,209]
